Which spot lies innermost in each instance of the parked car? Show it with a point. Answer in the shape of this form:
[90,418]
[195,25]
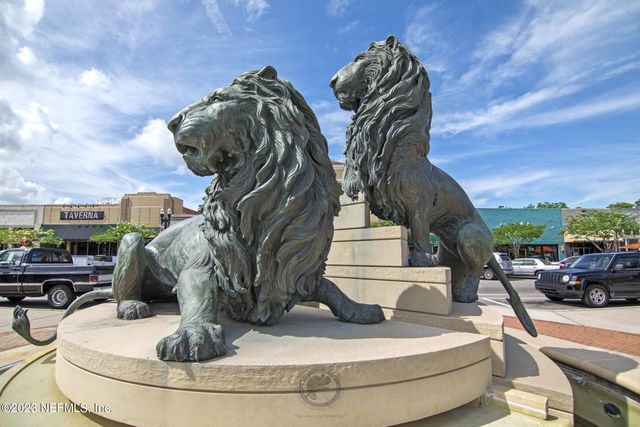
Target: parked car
[566,262]
[595,279]
[531,266]
[33,272]
[505,263]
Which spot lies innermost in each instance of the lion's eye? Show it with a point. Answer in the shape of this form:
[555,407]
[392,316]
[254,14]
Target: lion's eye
[358,58]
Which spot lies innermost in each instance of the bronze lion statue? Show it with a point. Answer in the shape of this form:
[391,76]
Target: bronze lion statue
[261,245]
[387,144]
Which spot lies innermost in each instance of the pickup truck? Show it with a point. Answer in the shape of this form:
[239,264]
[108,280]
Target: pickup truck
[595,279]
[33,272]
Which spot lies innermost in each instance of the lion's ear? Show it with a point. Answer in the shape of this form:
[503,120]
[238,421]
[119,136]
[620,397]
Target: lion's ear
[268,72]
[392,41]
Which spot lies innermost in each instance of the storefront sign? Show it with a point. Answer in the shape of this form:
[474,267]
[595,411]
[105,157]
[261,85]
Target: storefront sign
[81,215]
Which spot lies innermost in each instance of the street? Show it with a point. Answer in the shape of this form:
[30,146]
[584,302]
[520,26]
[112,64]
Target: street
[492,292]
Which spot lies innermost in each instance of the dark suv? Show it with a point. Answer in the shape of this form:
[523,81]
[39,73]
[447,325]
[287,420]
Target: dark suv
[595,278]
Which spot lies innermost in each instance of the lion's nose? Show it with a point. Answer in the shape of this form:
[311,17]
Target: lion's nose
[333,81]
[175,122]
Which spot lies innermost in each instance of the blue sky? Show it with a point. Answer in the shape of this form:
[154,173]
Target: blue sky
[533,101]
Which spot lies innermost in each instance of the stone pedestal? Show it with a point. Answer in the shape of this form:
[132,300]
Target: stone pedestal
[309,369]
[370,265]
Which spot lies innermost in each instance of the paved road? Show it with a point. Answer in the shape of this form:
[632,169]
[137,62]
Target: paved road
[491,292]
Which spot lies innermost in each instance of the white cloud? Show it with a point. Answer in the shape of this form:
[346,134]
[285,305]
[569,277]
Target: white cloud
[26,56]
[349,28]
[504,184]
[253,8]
[14,189]
[9,127]
[155,141]
[333,123]
[22,16]
[542,55]
[35,121]
[216,17]
[95,79]
[337,7]
[63,201]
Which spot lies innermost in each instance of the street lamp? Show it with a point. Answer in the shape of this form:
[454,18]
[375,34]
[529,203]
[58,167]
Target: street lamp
[165,219]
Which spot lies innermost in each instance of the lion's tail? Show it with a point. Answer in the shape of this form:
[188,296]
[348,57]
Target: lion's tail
[514,298]
[22,325]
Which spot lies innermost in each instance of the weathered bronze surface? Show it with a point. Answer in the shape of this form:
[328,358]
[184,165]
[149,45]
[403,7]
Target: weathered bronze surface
[386,159]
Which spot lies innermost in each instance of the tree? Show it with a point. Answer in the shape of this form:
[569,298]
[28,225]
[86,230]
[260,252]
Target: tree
[515,235]
[47,237]
[548,205]
[602,228]
[115,233]
[620,205]
[28,236]
[636,205]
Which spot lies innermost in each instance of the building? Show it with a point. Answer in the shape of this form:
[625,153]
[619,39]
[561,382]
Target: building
[549,246]
[75,224]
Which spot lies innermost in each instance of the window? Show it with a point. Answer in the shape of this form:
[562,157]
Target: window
[11,257]
[40,257]
[630,262]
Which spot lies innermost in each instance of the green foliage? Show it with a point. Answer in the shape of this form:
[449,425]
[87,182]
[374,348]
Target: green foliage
[602,228]
[47,238]
[547,205]
[115,234]
[27,237]
[516,234]
[620,205]
[636,205]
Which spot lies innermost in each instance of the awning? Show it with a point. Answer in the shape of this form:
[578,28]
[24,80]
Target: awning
[631,246]
[79,233]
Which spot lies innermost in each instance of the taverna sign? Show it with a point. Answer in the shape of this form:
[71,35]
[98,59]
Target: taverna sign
[81,215]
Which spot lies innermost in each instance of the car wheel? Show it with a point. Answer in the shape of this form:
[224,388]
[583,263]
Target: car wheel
[538,274]
[596,296]
[488,274]
[552,298]
[60,296]
[15,299]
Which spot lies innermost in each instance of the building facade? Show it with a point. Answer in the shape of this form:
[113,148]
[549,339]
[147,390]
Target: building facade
[75,224]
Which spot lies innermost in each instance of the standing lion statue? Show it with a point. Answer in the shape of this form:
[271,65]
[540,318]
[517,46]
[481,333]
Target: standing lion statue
[261,245]
[386,159]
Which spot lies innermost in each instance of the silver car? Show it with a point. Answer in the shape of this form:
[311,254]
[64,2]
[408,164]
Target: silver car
[504,261]
[532,266]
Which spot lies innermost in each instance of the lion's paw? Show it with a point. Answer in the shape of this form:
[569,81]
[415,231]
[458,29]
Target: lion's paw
[422,259]
[132,310]
[368,314]
[193,342]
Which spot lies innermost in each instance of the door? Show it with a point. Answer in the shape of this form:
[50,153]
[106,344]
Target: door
[10,272]
[529,267]
[625,277]
[517,267]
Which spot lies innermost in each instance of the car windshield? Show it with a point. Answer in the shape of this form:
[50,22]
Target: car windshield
[545,261]
[592,262]
[505,257]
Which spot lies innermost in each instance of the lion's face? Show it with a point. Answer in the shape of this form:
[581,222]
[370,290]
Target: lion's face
[352,82]
[211,135]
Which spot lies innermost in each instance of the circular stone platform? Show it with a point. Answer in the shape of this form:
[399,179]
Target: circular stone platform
[308,369]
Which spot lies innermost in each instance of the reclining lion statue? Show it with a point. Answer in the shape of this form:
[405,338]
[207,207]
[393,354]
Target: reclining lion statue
[261,245]
[386,159]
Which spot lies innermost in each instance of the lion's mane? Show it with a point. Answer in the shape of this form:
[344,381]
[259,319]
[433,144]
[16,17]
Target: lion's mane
[395,114]
[270,225]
